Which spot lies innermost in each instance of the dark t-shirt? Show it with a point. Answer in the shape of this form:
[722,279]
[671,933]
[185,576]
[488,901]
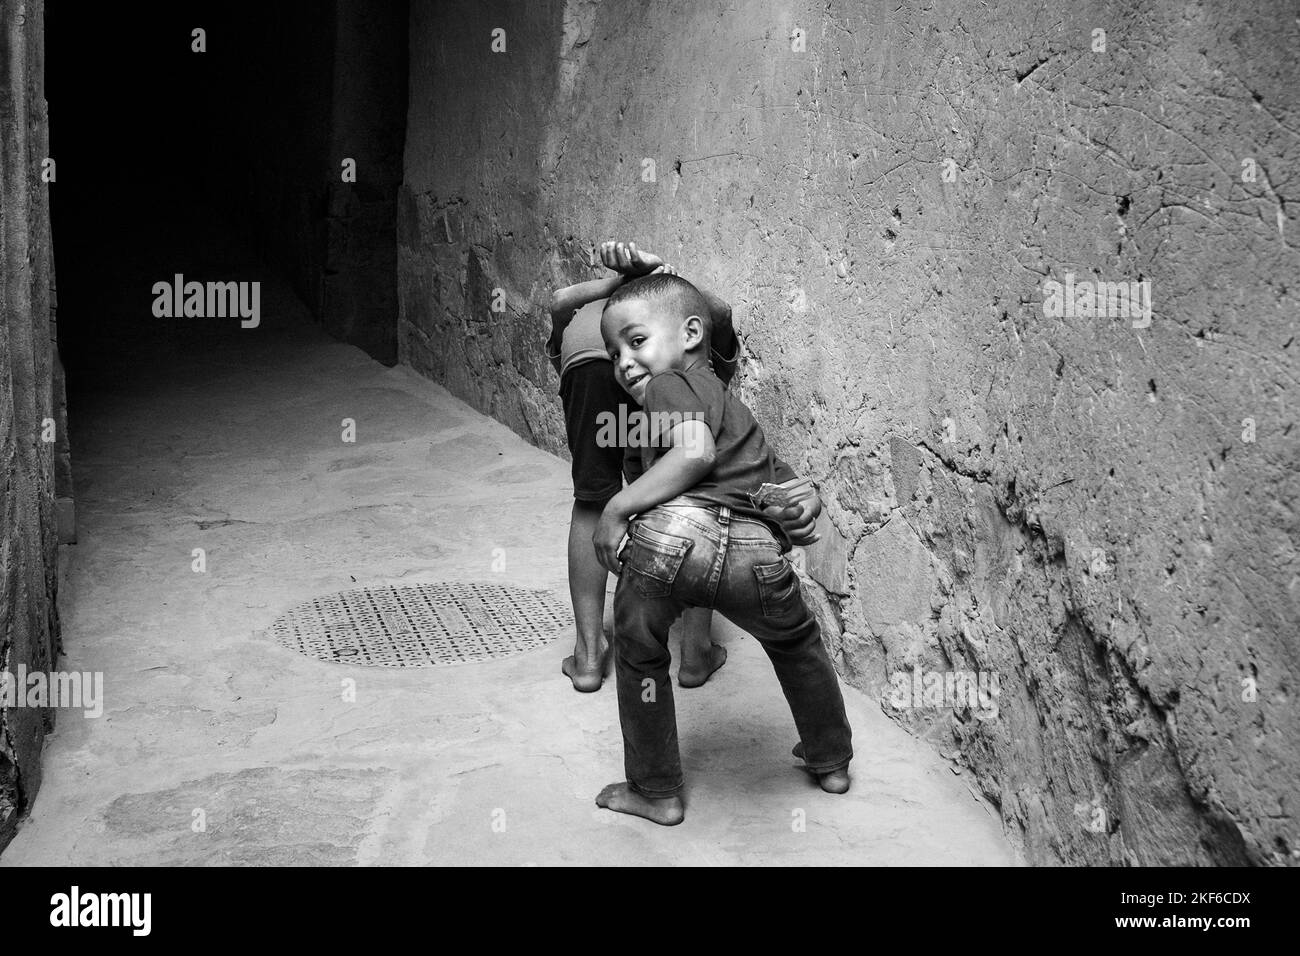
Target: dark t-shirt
[743,459]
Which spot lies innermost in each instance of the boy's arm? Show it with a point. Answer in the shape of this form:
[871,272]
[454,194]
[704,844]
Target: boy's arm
[567,301]
[799,519]
[689,459]
[626,260]
[571,298]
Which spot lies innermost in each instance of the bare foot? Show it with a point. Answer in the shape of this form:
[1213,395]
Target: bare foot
[619,797]
[585,681]
[836,781]
[696,676]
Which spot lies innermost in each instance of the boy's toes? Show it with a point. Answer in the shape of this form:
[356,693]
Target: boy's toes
[621,798]
[837,781]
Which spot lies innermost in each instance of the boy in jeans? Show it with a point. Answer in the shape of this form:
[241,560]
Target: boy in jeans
[589,393]
[695,538]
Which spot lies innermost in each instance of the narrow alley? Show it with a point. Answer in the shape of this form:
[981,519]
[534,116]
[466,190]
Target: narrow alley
[219,746]
[326,332]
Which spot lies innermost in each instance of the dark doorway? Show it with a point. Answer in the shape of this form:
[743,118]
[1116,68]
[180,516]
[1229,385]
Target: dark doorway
[222,164]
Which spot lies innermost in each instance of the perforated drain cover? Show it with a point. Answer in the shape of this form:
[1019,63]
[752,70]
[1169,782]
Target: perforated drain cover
[423,625]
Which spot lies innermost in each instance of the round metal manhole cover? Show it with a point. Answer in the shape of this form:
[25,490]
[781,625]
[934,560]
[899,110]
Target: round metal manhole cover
[423,625]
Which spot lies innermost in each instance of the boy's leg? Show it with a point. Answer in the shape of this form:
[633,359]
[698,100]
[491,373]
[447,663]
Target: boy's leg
[646,710]
[588,390]
[586,667]
[700,656]
[667,566]
[760,593]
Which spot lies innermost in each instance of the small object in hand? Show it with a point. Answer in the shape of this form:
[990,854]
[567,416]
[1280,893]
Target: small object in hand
[783,495]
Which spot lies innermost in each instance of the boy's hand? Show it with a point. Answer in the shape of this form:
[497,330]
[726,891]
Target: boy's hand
[609,534]
[626,258]
[799,520]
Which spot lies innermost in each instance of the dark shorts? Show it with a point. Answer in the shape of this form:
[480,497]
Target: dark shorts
[586,391]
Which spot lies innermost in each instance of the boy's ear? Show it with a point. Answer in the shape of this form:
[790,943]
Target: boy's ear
[693,331]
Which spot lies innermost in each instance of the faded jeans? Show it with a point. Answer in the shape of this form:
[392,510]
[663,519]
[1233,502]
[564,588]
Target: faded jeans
[685,554]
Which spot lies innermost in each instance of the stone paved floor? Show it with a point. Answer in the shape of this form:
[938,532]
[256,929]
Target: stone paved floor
[232,443]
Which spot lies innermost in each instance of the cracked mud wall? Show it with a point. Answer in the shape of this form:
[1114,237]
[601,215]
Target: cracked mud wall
[28,533]
[1097,511]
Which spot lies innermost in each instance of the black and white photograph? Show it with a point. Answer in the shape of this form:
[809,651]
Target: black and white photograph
[650,433]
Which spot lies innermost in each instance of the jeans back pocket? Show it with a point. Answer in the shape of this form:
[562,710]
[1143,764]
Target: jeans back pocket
[653,559]
[778,585]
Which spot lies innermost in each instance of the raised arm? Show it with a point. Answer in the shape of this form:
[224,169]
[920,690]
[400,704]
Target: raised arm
[567,301]
[626,261]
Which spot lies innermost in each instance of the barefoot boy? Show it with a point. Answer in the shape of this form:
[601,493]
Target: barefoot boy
[588,392]
[698,540]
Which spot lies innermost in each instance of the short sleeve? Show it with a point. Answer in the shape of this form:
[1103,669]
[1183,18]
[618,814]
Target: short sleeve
[783,471]
[633,464]
[673,397]
[723,366]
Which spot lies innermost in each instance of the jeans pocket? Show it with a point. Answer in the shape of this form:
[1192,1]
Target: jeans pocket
[653,559]
[778,586]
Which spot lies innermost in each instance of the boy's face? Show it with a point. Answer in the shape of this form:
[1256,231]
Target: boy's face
[643,340]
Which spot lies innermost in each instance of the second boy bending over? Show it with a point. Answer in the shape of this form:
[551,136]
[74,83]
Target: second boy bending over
[589,393]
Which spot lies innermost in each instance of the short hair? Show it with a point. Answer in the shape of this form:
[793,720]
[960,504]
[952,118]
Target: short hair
[678,294]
